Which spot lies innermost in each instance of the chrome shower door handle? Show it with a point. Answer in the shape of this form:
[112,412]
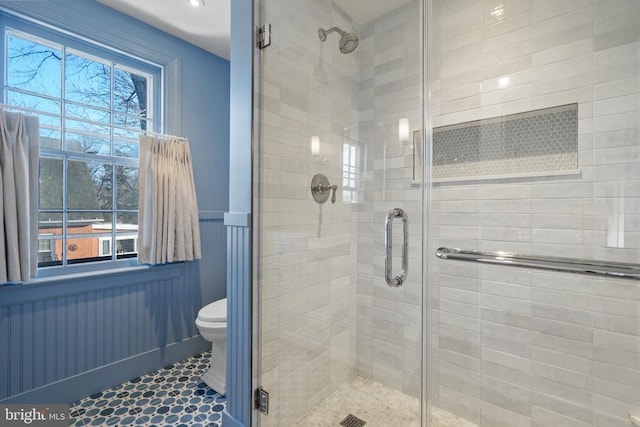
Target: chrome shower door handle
[397,281]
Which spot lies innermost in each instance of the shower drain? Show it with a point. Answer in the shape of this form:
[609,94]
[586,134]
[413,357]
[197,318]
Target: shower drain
[352,421]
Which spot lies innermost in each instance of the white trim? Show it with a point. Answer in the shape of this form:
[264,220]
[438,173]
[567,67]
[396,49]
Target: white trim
[550,174]
[237,219]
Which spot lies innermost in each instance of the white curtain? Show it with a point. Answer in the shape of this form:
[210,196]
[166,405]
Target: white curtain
[20,139]
[168,229]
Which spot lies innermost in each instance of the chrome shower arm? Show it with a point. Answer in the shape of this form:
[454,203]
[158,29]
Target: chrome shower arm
[322,33]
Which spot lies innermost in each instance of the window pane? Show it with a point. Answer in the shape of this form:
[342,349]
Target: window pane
[85,127]
[34,67]
[98,223]
[130,93]
[50,139]
[46,251]
[128,122]
[125,246]
[87,81]
[50,189]
[50,224]
[84,249]
[89,185]
[32,102]
[88,144]
[127,223]
[127,179]
[126,149]
[105,246]
[88,114]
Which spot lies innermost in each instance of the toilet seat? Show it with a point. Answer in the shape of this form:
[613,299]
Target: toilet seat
[216,312]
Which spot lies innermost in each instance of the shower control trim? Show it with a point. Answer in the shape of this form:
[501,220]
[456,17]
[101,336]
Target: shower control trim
[320,189]
[397,281]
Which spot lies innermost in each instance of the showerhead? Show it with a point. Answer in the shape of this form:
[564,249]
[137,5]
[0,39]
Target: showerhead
[348,41]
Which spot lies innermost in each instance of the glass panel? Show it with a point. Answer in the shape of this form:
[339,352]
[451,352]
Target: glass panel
[88,144]
[87,81]
[127,179]
[89,185]
[49,235]
[32,102]
[89,223]
[128,122]
[50,188]
[50,224]
[47,252]
[519,346]
[105,246]
[127,235]
[130,93]
[126,149]
[335,339]
[86,249]
[127,223]
[34,67]
[85,127]
[50,139]
[126,246]
[88,114]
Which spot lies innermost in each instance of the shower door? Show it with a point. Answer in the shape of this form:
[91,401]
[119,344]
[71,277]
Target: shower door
[339,191]
[536,149]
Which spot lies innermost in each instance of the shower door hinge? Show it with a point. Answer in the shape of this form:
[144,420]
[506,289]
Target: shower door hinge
[262,401]
[263,36]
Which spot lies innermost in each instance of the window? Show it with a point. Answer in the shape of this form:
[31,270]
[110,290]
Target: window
[351,171]
[124,245]
[93,103]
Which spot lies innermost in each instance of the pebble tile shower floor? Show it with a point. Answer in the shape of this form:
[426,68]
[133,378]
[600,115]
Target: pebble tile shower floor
[172,396]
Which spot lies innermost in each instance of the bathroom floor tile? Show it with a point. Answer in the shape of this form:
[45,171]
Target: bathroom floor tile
[171,396]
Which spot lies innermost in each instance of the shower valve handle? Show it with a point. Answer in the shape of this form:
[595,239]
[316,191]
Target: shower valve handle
[325,188]
[320,189]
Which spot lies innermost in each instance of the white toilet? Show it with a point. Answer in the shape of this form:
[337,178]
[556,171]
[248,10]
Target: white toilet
[212,324]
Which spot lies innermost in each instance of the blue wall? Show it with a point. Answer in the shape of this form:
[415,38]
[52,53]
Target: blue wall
[65,338]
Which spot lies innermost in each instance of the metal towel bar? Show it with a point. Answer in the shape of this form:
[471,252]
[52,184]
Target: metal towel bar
[571,265]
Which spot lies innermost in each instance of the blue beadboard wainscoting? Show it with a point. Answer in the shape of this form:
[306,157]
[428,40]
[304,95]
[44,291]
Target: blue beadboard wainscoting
[69,337]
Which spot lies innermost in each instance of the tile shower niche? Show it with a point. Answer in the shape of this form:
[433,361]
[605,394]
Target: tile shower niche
[535,143]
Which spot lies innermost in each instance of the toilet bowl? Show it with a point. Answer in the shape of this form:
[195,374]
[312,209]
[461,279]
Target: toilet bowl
[212,324]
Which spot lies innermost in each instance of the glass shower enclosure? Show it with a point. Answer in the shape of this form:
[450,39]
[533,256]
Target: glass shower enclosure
[506,133]
[339,190]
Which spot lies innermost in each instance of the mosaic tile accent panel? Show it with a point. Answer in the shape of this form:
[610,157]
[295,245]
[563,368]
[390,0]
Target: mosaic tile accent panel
[172,396]
[535,141]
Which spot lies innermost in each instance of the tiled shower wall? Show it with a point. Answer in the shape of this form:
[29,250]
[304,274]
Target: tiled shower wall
[389,319]
[530,348]
[307,259]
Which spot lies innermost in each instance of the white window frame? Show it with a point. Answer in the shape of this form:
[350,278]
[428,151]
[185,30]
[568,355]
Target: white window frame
[153,119]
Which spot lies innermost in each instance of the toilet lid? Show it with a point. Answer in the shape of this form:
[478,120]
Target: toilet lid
[214,312]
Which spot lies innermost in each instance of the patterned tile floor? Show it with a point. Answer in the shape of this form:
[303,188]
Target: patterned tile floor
[173,396]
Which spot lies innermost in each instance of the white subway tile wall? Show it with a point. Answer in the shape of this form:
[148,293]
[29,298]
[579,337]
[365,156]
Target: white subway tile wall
[532,348]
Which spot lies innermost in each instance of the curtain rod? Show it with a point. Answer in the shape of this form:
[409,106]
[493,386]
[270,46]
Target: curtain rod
[164,135]
[24,110]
